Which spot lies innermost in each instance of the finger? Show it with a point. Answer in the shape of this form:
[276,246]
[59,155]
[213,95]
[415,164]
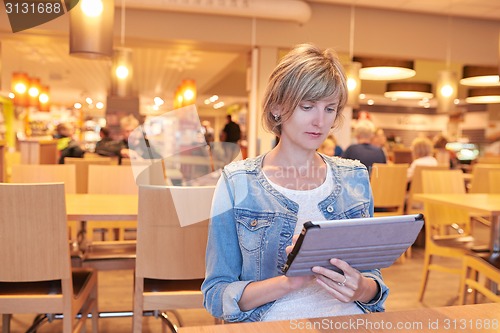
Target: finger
[343,294]
[344,266]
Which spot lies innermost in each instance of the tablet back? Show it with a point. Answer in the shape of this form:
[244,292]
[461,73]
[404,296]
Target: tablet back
[364,243]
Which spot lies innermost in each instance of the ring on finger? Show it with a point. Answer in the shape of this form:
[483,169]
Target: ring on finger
[342,284]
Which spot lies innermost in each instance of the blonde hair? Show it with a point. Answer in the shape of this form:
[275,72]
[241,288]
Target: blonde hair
[421,147]
[364,130]
[305,73]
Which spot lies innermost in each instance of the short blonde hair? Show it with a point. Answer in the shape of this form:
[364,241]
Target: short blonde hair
[364,130]
[421,147]
[305,73]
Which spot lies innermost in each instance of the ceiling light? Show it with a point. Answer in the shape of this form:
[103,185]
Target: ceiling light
[484,95]
[408,90]
[91,29]
[446,91]
[384,69]
[480,76]
[353,83]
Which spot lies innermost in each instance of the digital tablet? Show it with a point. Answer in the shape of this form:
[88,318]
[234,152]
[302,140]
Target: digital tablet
[364,243]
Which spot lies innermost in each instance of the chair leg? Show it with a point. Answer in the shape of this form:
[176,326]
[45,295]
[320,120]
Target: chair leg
[138,305]
[95,312]
[427,260]
[6,322]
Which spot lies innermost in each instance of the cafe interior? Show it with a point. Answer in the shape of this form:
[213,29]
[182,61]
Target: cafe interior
[134,231]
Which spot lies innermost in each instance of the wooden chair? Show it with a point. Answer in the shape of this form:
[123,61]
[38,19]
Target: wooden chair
[82,170]
[480,182]
[45,173]
[447,230]
[36,274]
[116,253]
[494,176]
[473,269]
[49,173]
[170,264]
[488,160]
[388,183]
[111,179]
[412,206]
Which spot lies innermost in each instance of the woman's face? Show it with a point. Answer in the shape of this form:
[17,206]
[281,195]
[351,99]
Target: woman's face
[310,123]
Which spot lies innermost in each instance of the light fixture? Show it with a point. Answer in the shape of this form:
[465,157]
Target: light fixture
[446,91]
[408,90]
[483,95]
[353,83]
[34,91]
[480,76]
[352,69]
[44,99]
[188,92]
[121,72]
[20,84]
[384,69]
[91,29]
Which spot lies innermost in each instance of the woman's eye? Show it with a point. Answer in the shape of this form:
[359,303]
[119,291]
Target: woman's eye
[306,107]
[330,110]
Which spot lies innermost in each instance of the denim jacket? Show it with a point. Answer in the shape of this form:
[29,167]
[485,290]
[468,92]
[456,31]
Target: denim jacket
[252,224]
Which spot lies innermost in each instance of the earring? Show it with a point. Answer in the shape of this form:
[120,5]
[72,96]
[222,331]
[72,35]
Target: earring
[277,117]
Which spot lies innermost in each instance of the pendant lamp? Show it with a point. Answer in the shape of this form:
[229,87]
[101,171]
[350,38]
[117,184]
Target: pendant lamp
[385,69]
[408,90]
[480,76]
[91,29]
[486,95]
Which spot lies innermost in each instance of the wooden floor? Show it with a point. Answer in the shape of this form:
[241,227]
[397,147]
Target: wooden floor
[115,294]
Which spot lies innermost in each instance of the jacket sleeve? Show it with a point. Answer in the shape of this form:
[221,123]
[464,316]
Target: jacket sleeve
[222,288]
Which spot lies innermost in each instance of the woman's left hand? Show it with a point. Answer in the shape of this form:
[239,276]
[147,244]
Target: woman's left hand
[350,287]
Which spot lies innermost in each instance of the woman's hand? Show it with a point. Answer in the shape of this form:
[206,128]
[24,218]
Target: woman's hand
[297,282]
[350,287]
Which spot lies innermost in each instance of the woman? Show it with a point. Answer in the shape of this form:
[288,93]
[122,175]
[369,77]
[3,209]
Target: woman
[421,150]
[260,203]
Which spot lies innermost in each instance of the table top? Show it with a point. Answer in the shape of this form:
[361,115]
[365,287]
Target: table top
[480,202]
[466,318]
[109,207]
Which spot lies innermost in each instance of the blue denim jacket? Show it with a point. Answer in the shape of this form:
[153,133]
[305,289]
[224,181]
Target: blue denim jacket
[252,224]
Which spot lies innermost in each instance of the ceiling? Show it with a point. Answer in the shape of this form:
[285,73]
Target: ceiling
[159,69]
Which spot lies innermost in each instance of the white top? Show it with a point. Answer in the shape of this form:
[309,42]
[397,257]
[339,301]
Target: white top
[425,161]
[311,301]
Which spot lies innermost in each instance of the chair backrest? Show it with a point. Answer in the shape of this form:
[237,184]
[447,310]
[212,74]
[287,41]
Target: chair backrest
[441,216]
[33,233]
[480,182]
[488,160]
[111,179]
[494,176]
[388,182]
[402,155]
[165,250]
[416,185]
[45,173]
[82,170]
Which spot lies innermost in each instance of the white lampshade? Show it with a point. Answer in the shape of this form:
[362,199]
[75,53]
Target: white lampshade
[483,95]
[480,76]
[408,90]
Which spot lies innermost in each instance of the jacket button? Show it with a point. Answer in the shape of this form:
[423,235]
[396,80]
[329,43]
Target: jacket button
[253,223]
[329,209]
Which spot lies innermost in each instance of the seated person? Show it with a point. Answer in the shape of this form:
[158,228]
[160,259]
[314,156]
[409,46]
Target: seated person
[364,151]
[421,149]
[107,146]
[329,147]
[66,145]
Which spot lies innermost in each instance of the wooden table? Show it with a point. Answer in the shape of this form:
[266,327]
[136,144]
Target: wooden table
[466,318]
[100,207]
[482,203]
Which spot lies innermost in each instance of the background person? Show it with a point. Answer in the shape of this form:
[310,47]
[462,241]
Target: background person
[259,203]
[231,134]
[421,150]
[363,150]
[330,147]
[66,145]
